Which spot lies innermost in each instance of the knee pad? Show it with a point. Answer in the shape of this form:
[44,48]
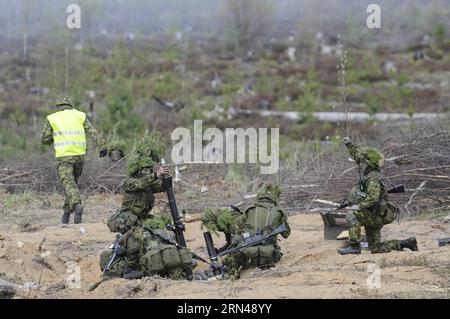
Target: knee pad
[351,219]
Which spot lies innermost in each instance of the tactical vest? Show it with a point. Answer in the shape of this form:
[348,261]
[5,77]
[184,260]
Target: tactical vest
[68,132]
[376,174]
[138,203]
[262,217]
[388,211]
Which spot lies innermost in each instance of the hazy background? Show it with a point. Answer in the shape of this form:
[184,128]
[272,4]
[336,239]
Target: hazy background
[401,19]
[154,64]
[157,65]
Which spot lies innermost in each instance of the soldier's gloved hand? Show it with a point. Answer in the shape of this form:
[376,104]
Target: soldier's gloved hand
[353,207]
[103,152]
[346,140]
[162,170]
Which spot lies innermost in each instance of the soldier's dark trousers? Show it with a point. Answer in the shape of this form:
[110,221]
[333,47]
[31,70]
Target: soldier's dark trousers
[69,170]
[372,224]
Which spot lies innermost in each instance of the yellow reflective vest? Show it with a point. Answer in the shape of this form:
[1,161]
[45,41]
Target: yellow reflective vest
[69,138]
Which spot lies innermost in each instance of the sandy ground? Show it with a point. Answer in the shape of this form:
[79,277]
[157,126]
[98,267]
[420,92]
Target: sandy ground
[41,259]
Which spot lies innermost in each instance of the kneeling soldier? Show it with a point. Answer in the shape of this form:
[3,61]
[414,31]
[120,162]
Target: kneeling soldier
[260,218]
[371,206]
[143,251]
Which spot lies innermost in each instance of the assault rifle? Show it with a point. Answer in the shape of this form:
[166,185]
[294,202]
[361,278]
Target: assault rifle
[248,242]
[116,252]
[393,190]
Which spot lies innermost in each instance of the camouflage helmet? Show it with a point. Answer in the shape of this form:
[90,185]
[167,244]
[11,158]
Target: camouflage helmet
[146,153]
[64,99]
[156,221]
[269,192]
[372,157]
[219,219]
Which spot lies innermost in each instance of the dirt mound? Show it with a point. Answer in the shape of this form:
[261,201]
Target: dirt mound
[46,262]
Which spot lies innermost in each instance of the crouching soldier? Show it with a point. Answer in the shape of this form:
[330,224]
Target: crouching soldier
[146,250]
[143,246]
[371,207]
[260,218]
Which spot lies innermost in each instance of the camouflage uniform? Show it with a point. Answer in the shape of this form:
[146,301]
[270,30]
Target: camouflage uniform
[139,198]
[138,201]
[373,205]
[70,167]
[140,249]
[263,215]
[222,220]
[147,255]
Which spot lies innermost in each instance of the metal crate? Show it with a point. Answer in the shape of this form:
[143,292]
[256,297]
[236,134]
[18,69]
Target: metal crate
[333,224]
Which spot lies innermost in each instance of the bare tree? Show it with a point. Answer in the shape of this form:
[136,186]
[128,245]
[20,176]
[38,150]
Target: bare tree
[247,21]
[26,14]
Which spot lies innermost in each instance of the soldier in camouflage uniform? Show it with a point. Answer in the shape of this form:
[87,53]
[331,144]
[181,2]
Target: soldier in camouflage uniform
[372,209]
[262,216]
[66,129]
[224,220]
[144,253]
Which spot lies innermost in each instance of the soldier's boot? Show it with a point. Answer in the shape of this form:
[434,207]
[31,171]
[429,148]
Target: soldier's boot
[188,274]
[410,243]
[199,275]
[356,250]
[65,218]
[78,213]
[133,274]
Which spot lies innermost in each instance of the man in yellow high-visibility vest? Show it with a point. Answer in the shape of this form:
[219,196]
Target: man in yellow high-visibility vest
[66,129]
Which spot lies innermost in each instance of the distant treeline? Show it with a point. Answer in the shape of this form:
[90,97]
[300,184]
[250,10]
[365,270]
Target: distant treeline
[40,17]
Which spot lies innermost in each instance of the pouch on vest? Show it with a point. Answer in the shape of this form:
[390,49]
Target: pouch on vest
[160,261]
[251,252]
[251,256]
[133,244]
[356,196]
[121,222]
[185,257]
[266,254]
[390,213]
[170,257]
[152,262]
[259,255]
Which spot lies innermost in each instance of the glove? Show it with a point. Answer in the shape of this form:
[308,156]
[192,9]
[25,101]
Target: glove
[346,140]
[353,207]
[162,171]
[103,152]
